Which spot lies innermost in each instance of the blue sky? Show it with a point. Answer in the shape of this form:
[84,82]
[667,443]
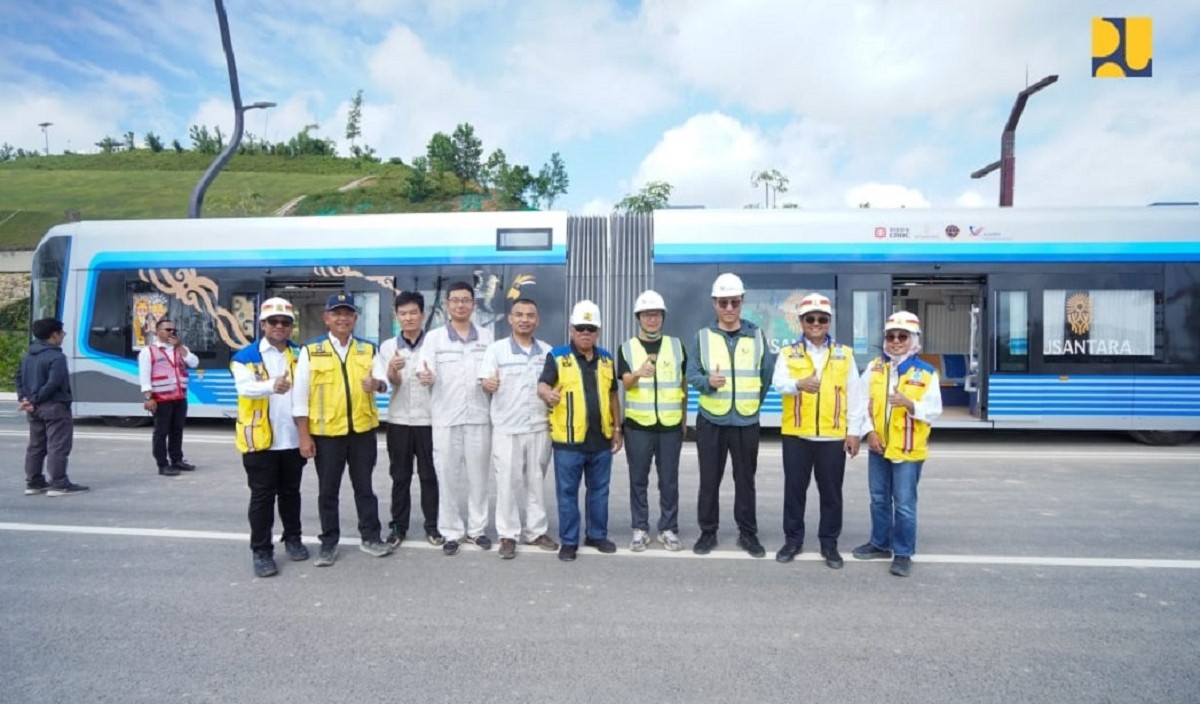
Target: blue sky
[888,101]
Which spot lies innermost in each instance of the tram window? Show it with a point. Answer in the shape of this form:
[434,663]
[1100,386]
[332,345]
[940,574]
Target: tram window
[868,326]
[147,306]
[1012,331]
[1080,324]
[244,307]
[367,326]
[524,239]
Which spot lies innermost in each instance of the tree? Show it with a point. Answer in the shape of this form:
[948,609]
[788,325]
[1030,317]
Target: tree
[865,204]
[203,141]
[513,182]
[552,180]
[354,120]
[130,145]
[417,186]
[441,153]
[497,161]
[653,196]
[770,180]
[153,142]
[176,146]
[7,151]
[468,150]
[307,144]
[108,145]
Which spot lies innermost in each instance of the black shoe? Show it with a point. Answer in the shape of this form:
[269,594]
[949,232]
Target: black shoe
[35,486]
[450,547]
[67,489]
[184,466]
[264,565]
[395,536]
[326,556]
[567,553]
[705,544]
[833,558]
[295,550]
[604,545]
[870,551]
[788,552]
[901,566]
[508,548]
[170,471]
[481,541]
[434,538]
[750,544]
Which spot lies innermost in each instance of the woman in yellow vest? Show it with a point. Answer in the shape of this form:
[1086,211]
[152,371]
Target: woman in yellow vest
[903,397]
[822,412]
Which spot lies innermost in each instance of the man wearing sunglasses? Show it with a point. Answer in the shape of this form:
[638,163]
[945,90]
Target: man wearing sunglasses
[266,434]
[163,371]
[822,411]
[730,364]
[579,386]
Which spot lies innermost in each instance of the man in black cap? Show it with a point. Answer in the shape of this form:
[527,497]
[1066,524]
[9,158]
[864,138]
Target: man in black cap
[333,401]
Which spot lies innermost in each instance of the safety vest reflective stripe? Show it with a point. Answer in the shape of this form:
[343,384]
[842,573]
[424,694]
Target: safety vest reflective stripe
[904,438]
[821,414]
[658,399]
[743,387]
[254,419]
[168,377]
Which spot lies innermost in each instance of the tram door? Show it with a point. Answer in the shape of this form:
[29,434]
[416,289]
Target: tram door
[863,302]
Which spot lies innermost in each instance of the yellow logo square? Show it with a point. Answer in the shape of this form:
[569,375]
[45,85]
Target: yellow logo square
[1122,47]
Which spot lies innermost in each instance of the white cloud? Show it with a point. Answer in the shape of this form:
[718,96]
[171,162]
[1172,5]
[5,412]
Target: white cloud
[597,206]
[885,195]
[970,199]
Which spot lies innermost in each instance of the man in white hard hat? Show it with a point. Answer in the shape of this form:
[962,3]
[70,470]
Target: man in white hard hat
[904,396]
[263,372]
[822,412]
[462,431]
[730,364]
[651,367]
[520,434]
[579,386]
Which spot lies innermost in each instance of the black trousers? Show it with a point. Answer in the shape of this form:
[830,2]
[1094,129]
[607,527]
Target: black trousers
[273,475]
[802,459]
[406,443]
[167,442]
[713,444]
[334,453]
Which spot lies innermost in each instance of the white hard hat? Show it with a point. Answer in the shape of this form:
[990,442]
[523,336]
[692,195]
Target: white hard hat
[649,300]
[276,306]
[814,303]
[585,313]
[728,285]
[903,320]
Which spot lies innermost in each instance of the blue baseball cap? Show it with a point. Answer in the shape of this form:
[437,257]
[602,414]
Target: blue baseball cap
[341,299]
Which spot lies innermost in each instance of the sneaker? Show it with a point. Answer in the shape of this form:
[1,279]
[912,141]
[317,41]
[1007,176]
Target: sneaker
[544,542]
[750,544]
[670,540]
[705,544]
[184,466]
[833,558]
[434,538]
[450,547]
[326,556]
[296,551]
[567,553]
[480,541]
[901,566]
[641,540]
[508,548]
[870,551]
[36,486]
[395,537]
[604,545]
[788,552]
[168,471]
[264,565]
[375,548]
[67,489]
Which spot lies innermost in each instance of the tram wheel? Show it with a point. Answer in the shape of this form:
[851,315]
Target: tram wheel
[1162,437]
[127,421]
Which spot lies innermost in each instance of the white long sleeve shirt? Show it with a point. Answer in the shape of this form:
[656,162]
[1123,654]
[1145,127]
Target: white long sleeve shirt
[456,395]
[409,402]
[928,408]
[284,435]
[144,361]
[303,385]
[856,413]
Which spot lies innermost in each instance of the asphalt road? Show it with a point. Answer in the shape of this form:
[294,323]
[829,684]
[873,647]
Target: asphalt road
[1050,568]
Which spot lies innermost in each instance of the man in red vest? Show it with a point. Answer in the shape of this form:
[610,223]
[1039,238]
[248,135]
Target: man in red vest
[163,371]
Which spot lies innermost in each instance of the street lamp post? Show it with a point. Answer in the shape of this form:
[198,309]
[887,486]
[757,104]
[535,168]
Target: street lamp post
[1008,143]
[239,121]
[46,134]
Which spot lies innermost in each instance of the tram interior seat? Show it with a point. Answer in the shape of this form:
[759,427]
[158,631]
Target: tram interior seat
[952,371]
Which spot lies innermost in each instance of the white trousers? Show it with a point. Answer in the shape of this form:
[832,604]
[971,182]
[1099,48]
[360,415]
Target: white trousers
[460,458]
[520,461]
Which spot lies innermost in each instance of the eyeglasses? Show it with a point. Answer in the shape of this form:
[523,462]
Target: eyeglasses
[461,301]
[279,322]
[167,329]
[816,319]
[731,303]
[587,328]
[896,337]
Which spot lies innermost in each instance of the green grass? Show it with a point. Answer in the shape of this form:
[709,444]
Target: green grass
[144,160]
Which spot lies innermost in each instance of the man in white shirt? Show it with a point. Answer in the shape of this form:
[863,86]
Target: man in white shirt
[163,372]
[267,436]
[449,364]
[409,430]
[520,431]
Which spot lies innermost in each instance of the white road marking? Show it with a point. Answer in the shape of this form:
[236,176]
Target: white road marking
[652,553]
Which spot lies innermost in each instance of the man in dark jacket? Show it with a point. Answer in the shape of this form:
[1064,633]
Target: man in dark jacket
[44,392]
